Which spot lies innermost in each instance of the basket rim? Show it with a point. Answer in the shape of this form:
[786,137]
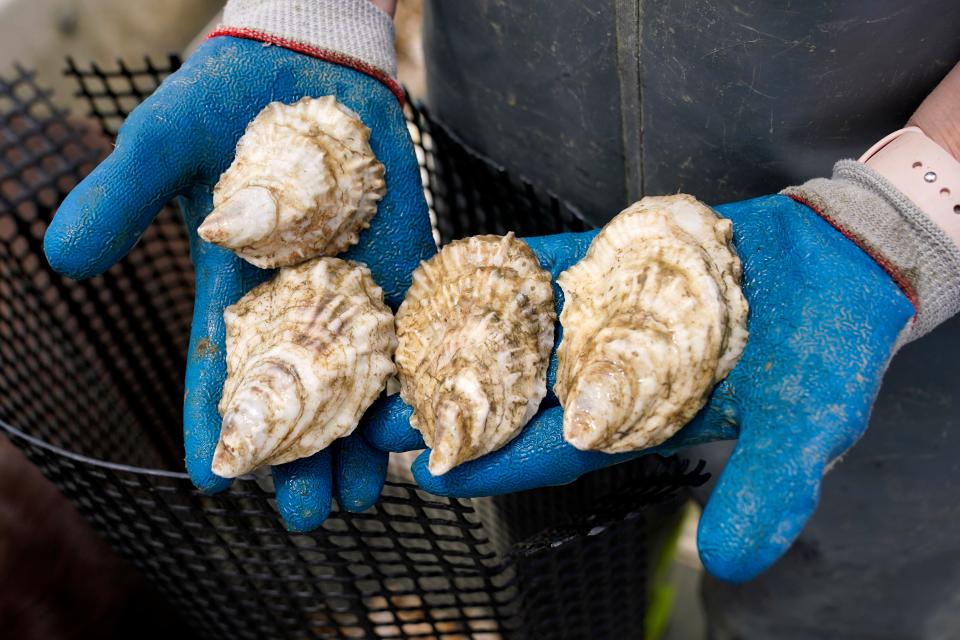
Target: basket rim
[114,466]
[126,468]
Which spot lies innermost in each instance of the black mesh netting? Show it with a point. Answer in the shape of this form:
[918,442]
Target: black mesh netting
[91,390]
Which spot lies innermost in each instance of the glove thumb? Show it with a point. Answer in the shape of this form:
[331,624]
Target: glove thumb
[766,494]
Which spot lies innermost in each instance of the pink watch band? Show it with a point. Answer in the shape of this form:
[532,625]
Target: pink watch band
[924,172]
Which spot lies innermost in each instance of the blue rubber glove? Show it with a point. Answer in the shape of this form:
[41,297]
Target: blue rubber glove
[824,318]
[177,143]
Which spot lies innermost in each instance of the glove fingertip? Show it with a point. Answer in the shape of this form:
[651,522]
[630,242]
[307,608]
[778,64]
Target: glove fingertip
[723,561]
[437,485]
[303,520]
[731,561]
[206,480]
[200,438]
[748,526]
[353,502]
[472,479]
[304,492]
[360,474]
[386,426]
[60,258]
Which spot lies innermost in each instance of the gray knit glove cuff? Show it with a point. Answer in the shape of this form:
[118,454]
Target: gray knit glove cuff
[352,33]
[917,254]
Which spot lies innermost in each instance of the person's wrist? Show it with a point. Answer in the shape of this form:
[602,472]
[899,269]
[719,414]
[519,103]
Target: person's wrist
[389,7]
[358,34]
[938,115]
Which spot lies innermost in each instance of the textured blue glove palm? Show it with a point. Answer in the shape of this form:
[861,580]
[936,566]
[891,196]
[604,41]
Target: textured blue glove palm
[824,318]
[177,143]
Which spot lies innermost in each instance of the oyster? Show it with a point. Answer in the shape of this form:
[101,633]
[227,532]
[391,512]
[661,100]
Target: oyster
[307,353]
[653,318]
[304,183]
[474,338]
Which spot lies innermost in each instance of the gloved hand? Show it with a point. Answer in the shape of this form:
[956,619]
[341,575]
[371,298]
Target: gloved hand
[177,143]
[824,319]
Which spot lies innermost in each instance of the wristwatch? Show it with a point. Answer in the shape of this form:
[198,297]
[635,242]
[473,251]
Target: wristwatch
[924,172]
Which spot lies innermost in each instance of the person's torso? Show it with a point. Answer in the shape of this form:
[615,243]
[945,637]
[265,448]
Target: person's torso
[602,102]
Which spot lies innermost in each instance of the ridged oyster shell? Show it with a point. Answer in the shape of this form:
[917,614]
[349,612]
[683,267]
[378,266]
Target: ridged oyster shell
[474,338]
[307,353]
[304,183]
[653,318]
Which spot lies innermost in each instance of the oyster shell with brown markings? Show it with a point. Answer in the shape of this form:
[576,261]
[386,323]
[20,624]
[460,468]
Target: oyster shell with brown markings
[474,338]
[653,318]
[307,353]
[304,183]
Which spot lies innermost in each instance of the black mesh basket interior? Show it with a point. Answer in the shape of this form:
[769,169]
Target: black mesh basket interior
[91,390]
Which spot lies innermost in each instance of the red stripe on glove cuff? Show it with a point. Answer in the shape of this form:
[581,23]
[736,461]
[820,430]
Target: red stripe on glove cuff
[322,54]
[892,271]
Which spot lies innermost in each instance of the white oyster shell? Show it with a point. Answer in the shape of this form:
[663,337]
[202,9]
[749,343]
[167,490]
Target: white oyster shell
[653,318]
[474,338]
[304,183]
[307,353]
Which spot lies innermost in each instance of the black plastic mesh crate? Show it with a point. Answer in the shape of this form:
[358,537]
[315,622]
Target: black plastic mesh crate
[91,390]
